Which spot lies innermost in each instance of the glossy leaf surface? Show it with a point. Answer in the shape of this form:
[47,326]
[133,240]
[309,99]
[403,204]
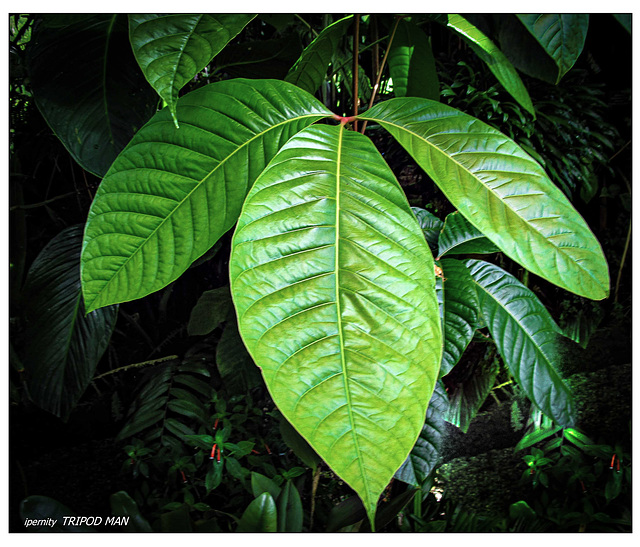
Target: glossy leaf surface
[333,285]
[310,69]
[499,65]
[87,85]
[64,346]
[459,304]
[430,225]
[411,63]
[526,337]
[173,192]
[562,36]
[424,456]
[260,516]
[501,190]
[460,237]
[172,48]
[289,509]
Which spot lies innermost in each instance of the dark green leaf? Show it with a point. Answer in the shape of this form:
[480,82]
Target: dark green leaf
[526,337]
[172,193]
[64,345]
[299,445]
[43,508]
[411,63]
[172,48]
[289,509]
[310,70]
[260,516]
[535,437]
[430,225]
[260,484]
[211,309]
[88,86]
[460,237]
[124,505]
[235,365]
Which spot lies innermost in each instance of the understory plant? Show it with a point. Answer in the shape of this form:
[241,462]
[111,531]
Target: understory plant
[352,304]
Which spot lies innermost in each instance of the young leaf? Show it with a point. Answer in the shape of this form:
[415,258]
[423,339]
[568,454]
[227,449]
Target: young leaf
[460,237]
[411,63]
[501,67]
[211,309]
[172,193]
[459,304]
[562,35]
[501,190]
[172,48]
[87,85]
[425,454]
[333,284]
[260,516]
[526,337]
[310,69]
[65,345]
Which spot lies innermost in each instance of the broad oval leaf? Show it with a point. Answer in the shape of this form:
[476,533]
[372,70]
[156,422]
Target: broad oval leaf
[425,454]
[87,85]
[260,516]
[64,345]
[411,63]
[172,48]
[172,193]
[310,69]
[459,237]
[459,304]
[501,190]
[334,288]
[501,67]
[562,35]
[526,337]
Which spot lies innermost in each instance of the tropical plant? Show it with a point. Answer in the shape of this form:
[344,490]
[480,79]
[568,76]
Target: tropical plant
[338,299]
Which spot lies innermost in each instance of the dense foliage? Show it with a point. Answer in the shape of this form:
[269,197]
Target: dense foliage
[273,314]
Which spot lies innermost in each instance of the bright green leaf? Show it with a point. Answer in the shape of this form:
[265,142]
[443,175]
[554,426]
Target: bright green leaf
[501,190]
[333,284]
[501,67]
[64,345]
[172,193]
[526,337]
[310,70]
[88,86]
[411,63]
[172,48]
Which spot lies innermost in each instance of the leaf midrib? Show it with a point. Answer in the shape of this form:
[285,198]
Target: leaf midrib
[522,220]
[186,197]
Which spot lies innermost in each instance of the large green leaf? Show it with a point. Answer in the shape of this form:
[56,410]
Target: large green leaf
[310,69]
[460,237]
[88,86]
[501,190]
[173,192]
[334,288]
[501,67]
[459,303]
[562,35]
[64,346]
[411,63]
[526,337]
[172,48]
[425,455]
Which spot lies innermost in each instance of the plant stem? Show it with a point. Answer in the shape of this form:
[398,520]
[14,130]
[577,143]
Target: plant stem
[379,75]
[136,365]
[315,33]
[624,256]
[314,488]
[356,44]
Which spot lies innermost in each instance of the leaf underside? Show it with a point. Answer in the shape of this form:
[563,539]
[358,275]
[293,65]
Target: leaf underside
[333,285]
[526,337]
[501,190]
[172,193]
